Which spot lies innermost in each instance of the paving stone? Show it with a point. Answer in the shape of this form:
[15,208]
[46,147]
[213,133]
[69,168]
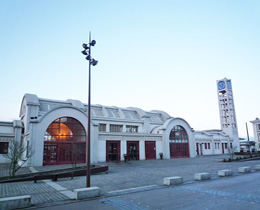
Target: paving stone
[124,175]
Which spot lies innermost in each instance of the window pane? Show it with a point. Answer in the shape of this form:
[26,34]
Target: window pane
[102,127]
[65,129]
[116,128]
[178,133]
[4,147]
[131,129]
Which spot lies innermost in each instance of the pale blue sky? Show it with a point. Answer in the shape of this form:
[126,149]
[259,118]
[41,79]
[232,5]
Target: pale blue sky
[153,54]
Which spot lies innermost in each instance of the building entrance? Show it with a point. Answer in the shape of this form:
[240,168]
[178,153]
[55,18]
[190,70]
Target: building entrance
[150,150]
[113,151]
[199,149]
[64,142]
[179,143]
[133,150]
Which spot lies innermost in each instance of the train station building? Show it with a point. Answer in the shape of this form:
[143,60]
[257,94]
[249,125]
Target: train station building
[56,132]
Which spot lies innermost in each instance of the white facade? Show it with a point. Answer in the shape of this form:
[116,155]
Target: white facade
[256,129]
[37,114]
[130,131]
[212,142]
[9,131]
[227,112]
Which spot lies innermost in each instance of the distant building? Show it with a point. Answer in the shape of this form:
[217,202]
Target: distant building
[209,142]
[256,129]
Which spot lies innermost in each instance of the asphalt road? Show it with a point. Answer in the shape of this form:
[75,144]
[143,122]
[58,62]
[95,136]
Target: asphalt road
[228,193]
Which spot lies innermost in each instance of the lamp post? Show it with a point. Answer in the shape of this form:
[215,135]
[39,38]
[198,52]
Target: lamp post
[93,62]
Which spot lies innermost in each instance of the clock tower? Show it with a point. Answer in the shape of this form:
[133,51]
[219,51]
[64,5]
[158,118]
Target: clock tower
[227,110]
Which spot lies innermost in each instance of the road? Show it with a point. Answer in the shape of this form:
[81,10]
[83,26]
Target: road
[228,193]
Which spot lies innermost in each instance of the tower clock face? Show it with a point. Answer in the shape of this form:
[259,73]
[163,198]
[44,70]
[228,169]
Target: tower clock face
[229,85]
[221,85]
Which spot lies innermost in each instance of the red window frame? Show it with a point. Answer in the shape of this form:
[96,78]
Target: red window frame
[4,147]
[65,142]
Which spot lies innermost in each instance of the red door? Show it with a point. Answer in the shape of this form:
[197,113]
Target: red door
[133,150]
[50,153]
[223,148]
[179,150]
[56,152]
[150,150]
[113,151]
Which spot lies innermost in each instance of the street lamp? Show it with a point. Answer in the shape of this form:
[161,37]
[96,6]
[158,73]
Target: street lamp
[93,62]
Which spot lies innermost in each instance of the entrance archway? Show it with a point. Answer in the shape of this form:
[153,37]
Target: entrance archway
[64,142]
[179,142]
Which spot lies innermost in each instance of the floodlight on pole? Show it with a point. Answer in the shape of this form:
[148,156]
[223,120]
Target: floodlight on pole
[93,62]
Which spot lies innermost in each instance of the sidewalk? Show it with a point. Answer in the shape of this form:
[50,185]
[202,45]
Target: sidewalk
[123,175]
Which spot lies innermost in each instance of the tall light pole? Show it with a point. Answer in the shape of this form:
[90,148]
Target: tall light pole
[93,62]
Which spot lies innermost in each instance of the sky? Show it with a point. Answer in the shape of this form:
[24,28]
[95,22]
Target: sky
[152,54]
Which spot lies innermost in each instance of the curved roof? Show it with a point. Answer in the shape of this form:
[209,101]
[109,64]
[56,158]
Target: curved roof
[164,114]
[99,111]
[167,122]
[28,99]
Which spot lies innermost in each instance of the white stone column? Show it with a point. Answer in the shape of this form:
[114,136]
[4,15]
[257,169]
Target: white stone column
[94,143]
[123,149]
[142,150]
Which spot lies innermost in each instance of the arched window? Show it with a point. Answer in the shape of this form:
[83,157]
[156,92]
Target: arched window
[65,129]
[179,142]
[64,142]
[178,135]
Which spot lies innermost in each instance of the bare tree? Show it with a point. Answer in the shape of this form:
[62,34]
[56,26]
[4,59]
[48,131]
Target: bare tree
[231,152]
[16,156]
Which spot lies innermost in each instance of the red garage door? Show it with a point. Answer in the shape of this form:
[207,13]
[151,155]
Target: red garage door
[179,143]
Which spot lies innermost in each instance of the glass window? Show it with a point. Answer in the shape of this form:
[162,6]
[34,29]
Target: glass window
[127,115]
[155,118]
[102,127]
[116,128]
[65,129]
[134,115]
[178,134]
[98,112]
[4,147]
[131,129]
[131,115]
[113,113]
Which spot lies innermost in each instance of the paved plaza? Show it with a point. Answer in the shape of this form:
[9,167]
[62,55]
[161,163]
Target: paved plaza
[146,174]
